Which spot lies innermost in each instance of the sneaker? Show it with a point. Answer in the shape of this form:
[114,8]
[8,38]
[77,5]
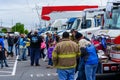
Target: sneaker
[51,67]
[48,66]
[19,59]
[6,66]
[24,59]
[37,65]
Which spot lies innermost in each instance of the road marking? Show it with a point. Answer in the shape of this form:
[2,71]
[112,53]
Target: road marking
[44,75]
[7,68]
[10,62]
[5,75]
[5,71]
[48,74]
[31,75]
[15,66]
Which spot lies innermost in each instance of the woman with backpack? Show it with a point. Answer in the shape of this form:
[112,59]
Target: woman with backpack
[43,46]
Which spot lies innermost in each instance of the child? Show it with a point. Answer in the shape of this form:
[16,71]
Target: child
[50,50]
[3,56]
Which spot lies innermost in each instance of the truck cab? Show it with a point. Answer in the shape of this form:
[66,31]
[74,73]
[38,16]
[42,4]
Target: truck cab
[112,23]
[87,25]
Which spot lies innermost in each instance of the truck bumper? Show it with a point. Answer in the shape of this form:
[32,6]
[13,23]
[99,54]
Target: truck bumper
[109,76]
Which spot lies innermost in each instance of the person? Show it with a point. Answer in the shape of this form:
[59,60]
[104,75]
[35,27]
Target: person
[10,41]
[3,55]
[72,37]
[35,41]
[16,45]
[64,57]
[50,50]
[88,61]
[4,51]
[28,45]
[46,39]
[80,36]
[56,37]
[50,39]
[43,46]
[22,48]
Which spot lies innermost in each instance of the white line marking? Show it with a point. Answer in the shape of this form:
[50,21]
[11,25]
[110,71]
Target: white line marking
[7,68]
[10,62]
[5,72]
[54,74]
[5,75]
[48,74]
[31,75]
[15,66]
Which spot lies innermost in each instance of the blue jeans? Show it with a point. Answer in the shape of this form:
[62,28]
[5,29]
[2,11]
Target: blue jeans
[28,50]
[35,55]
[66,74]
[99,69]
[5,61]
[90,71]
[23,54]
[50,62]
[10,49]
[17,50]
[81,70]
[1,62]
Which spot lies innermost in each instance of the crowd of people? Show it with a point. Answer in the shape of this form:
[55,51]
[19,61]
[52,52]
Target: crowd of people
[68,55]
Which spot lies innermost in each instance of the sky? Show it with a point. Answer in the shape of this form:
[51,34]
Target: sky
[13,11]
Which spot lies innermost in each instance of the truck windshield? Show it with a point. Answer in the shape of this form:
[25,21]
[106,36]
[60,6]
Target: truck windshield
[87,24]
[63,27]
[69,25]
[76,24]
[114,23]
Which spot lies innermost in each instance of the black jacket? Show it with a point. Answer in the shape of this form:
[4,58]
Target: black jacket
[37,44]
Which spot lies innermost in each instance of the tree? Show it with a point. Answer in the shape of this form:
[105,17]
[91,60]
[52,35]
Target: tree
[18,27]
[26,31]
[4,30]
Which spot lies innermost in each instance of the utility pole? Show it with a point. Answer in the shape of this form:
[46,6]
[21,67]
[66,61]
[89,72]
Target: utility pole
[12,24]
[37,8]
[1,23]
[101,2]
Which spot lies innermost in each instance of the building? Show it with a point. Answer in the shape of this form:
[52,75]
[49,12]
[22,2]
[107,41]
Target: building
[8,28]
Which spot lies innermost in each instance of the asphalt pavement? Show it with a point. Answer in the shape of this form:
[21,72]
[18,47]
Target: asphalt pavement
[21,70]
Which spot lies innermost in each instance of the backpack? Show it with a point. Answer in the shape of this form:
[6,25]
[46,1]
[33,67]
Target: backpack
[43,45]
[34,39]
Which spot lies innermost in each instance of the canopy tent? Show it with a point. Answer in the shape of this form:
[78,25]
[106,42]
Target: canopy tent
[46,10]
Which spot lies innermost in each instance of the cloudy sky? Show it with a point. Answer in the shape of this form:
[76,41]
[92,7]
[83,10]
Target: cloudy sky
[12,11]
